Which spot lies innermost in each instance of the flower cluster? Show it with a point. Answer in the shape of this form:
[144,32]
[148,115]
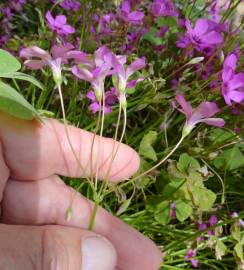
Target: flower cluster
[233,83]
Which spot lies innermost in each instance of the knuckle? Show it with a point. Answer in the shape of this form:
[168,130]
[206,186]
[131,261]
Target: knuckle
[54,252]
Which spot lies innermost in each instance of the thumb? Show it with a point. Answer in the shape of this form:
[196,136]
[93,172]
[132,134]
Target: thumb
[54,247]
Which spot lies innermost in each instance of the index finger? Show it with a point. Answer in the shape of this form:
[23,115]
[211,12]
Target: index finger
[34,150]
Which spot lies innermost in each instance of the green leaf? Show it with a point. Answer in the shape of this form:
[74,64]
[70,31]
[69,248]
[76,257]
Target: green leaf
[230,159]
[203,197]
[24,77]
[185,161]
[172,187]
[13,103]
[9,63]
[236,232]
[183,210]
[239,251]
[167,21]
[146,148]
[152,37]
[162,212]
[220,249]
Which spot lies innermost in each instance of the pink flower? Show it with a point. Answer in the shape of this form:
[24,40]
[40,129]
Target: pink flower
[163,8]
[202,114]
[58,24]
[233,84]
[205,35]
[94,69]
[128,15]
[37,58]
[123,72]
[111,98]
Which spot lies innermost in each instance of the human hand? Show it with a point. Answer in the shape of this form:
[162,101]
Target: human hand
[35,201]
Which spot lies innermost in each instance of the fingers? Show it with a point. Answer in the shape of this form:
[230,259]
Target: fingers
[54,248]
[46,202]
[36,150]
[4,173]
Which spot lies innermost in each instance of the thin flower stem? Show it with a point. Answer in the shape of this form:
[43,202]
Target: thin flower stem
[93,140]
[97,196]
[69,210]
[162,161]
[220,179]
[100,135]
[66,129]
[93,217]
[114,155]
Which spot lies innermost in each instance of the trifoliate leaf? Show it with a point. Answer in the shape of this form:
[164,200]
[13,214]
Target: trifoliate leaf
[220,249]
[183,210]
[230,159]
[203,197]
[146,149]
[185,161]
[162,212]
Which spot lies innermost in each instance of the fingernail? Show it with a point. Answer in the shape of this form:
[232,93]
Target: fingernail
[97,253]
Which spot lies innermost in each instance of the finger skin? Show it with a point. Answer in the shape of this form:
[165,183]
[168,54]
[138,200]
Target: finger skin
[4,173]
[53,248]
[46,202]
[35,150]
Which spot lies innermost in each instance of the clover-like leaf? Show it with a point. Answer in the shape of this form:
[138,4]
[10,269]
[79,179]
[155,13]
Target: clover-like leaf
[183,210]
[146,148]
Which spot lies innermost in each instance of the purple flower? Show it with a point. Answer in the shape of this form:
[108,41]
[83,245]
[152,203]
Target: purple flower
[240,221]
[94,69]
[163,8]
[191,253]
[213,220]
[73,5]
[58,24]
[202,226]
[128,15]
[37,58]
[202,114]
[111,98]
[204,34]
[194,263]
[233,84]
[123,72]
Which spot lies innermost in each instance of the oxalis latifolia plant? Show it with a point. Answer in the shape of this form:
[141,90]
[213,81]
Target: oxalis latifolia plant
[155,75]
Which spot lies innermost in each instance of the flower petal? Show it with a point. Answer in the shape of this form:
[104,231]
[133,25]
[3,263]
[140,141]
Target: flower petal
[134,66]
[236,82]
[135,16]
[201,27]
[82,73]
[212,37]
[236,96]
[230,61]
[60,19]
[58,51]
[50,18]
[68,29]
[35,64]
[35,52]
[217,122]
[91,96]
[187,109]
